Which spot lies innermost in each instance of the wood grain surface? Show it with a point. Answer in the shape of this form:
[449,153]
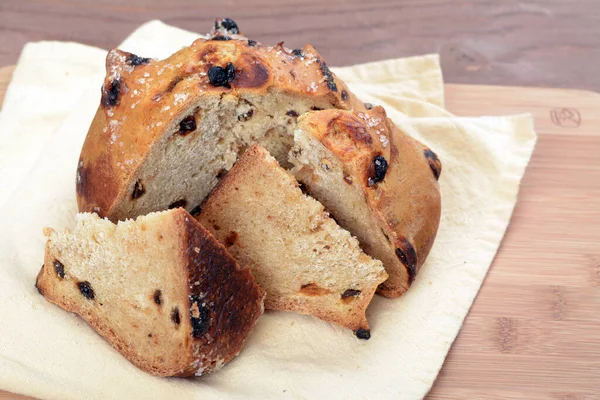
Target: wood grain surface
[552,43]
[534,330]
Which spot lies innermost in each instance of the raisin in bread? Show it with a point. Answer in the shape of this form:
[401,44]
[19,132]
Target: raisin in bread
[160,289]
[296,252]
[377,182]
[166,130]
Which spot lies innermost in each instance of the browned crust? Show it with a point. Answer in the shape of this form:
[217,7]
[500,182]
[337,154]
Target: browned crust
[227,293]
[354,320]
[406,202]
[129,120]
[237,302]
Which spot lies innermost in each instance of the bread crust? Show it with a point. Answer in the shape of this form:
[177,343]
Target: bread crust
[132,117]
[406,202]
[233,303]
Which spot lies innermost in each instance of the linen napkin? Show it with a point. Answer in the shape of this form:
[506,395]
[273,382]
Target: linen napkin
[48,353]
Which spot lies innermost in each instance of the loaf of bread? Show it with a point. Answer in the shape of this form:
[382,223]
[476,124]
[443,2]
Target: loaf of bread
[296,252]
[377,182]
[166,130]
[160,289]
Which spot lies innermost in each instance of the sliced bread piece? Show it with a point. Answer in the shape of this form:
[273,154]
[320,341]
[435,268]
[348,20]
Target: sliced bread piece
[297,253]
[160,289]
[377,182]
[166,130]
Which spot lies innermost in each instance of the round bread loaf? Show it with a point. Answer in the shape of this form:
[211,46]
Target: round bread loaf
[166,130]
[377,182]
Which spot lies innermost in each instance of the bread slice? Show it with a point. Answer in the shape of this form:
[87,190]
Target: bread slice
[377,182]
[167,130]
[297,253]
[160,289]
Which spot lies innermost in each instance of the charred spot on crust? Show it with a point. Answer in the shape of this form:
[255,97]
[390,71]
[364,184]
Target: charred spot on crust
[175,317]
[219,76]
[377,170]
[344,95]
[179,203]
[59,268]
[220,38]
[252,43]
[298,52]
[369,106]
[86,290]
[196,211]
[292,113]
[350,293]
[252,73]
[110,95]
[157,297]
[135,60]
[246,116]
[408,256]
[434,163]
[354,130]
[187,125]
[138,190]
[315,108]
[327,75]
[226,24]
[199,316]
[363,334]
[348,179]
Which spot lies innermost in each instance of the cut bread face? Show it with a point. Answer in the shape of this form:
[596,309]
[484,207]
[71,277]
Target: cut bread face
[160,289]
[167,130]
[302,259]
[377,182]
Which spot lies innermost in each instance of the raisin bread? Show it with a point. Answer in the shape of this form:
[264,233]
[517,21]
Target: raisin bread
[160,289]
[377,182]
[301,257]
[166,130]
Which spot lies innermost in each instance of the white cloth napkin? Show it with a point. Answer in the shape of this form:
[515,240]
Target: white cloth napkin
[49,353]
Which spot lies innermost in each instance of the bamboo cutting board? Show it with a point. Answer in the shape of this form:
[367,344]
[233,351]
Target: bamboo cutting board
[534,330]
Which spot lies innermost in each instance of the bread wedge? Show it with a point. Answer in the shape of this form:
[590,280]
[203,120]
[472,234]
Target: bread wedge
[377,182]
[160,290]
[303,260]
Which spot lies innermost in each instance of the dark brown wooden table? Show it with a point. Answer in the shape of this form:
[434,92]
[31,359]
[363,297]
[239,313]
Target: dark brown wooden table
[508,42]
